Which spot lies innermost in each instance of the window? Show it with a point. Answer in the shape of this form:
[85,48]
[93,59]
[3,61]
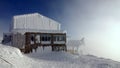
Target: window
[46,37]
[43,38]
[59,38]
[32,39]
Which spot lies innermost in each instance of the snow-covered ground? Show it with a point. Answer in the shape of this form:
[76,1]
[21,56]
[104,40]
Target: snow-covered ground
[11,57]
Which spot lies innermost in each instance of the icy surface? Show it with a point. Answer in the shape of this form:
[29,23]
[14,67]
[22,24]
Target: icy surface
[11,57]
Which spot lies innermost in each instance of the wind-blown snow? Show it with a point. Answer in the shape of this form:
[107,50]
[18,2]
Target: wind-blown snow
[11,57]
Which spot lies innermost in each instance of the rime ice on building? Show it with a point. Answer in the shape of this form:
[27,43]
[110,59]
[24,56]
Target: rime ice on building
[29,31]
[75,46]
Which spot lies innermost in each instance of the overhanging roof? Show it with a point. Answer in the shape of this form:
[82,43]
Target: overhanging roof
[34,30]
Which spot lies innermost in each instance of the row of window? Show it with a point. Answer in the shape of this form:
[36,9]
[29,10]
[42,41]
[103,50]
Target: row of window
[47,38]
[59,38]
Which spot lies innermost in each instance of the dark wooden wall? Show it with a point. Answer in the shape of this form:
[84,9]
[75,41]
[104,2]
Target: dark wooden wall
[55,47]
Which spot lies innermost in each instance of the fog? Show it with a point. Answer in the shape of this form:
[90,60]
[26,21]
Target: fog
[99,22]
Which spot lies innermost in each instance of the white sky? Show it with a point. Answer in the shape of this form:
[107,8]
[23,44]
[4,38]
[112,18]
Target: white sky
[99,22]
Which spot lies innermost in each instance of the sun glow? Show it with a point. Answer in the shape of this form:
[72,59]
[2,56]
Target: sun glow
[114,40]
[106,43]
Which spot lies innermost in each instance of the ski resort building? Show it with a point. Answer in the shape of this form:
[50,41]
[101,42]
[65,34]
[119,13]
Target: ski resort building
[29,31]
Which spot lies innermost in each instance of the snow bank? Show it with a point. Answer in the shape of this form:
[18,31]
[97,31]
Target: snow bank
[50,59]
[11,57]
[48,55]
[7,51]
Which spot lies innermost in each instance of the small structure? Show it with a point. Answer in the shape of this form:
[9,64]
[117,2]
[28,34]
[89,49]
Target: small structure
[29,31]
[75,46]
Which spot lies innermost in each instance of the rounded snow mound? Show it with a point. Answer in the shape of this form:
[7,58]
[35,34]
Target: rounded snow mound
[8,51]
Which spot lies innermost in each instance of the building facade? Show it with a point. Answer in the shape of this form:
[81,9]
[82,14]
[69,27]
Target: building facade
[29,31]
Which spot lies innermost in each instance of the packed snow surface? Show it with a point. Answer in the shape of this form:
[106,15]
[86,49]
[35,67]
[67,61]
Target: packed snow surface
[11,57]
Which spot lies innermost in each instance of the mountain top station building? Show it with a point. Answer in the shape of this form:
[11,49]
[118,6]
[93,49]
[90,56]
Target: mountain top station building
[29,31]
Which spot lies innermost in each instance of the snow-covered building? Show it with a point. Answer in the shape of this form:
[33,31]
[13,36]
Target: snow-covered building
[29,31]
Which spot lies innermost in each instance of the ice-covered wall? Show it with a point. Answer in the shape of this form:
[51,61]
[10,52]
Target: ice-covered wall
[34,21]
[18,40]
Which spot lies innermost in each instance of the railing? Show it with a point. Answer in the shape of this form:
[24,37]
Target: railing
[59,42]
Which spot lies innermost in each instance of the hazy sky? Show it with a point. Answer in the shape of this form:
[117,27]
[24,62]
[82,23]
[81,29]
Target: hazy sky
[99,22]
[96,20]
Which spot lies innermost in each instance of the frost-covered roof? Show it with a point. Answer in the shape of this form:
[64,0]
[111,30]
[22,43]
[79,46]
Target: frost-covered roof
[34,21]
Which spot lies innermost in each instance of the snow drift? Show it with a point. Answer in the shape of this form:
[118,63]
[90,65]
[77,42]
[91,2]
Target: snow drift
[11,57]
